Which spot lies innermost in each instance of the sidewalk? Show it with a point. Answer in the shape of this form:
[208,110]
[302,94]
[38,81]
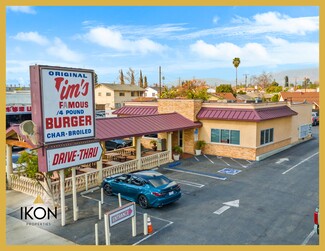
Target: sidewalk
[18,232]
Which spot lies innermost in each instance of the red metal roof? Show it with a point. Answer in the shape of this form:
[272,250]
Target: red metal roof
[245,114]
[122,127]
[136,110]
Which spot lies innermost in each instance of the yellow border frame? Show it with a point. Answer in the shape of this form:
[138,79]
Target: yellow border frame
[5,3]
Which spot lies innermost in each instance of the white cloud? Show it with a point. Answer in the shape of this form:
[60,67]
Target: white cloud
[113,39]
[269,22]
[277,52]
[32,37]
[227,51]
[61,51]
[23,9]
[276,22]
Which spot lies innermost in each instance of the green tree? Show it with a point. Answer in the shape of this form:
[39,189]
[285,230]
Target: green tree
[130,76]
[275,98]
[121,77]
[145,83]
[286,81]
[141,79]
[224,88]
[236,62]
[96,78]
[28,166]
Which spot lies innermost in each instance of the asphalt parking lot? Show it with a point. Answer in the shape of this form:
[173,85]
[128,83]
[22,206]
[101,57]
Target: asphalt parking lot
[224,201]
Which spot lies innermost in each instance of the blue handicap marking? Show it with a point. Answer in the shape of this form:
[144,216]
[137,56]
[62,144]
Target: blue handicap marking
[229,171]
[175,163]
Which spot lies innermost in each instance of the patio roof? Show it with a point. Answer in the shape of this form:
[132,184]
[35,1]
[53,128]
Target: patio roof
[136,110]
[115,128]
[245,114]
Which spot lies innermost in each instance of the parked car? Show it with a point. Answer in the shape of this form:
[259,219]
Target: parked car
[314,118]
[316,220]
[117,143]
[147,188]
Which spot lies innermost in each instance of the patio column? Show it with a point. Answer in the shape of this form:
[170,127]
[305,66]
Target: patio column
[169,145]
[99,165]
[138,151]
[9,169]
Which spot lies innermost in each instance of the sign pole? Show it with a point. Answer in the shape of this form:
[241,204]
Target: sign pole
[74,194]
[96,234]
[107,234]
[61,172]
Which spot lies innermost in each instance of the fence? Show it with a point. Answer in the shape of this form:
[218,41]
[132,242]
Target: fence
[88,180]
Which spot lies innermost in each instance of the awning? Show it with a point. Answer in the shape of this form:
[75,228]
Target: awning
[123,127]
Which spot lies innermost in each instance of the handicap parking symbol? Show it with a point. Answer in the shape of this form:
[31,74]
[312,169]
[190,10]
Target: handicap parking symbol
[229,171]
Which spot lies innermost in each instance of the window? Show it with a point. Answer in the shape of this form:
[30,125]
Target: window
[154,135]
[132,94]
[122,94]
[225,136]
[108,94]
[267,136]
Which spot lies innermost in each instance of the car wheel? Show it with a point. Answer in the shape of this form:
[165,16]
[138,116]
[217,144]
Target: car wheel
[143,201]
[108,189]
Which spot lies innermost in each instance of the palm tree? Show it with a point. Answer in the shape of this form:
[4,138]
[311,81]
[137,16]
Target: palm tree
[236,62]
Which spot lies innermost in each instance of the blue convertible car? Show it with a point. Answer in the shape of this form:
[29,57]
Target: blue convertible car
[147,188]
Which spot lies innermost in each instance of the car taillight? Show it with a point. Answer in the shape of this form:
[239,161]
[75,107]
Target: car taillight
[157,194]
[316,217]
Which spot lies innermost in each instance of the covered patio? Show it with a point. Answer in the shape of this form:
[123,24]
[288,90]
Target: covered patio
[130,158]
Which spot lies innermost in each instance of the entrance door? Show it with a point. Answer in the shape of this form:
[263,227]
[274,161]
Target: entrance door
[180,138]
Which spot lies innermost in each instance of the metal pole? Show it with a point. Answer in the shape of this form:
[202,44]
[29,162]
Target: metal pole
[102,195]
[119,200]
[134,223]
[107,234]
[74,194]
[145,224]
[61,173]
[99,210]
[96,234]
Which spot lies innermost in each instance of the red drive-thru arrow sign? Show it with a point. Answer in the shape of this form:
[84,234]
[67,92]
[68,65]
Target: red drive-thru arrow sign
[121,214]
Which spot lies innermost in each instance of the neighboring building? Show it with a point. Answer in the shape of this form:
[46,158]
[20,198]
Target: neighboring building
[113,96]
[245,131]
[309,97]
[152,92]
[223,97]
[18,107]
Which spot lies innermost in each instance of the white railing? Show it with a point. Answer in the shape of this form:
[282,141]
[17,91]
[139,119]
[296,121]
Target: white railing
[27,185]
[89,180]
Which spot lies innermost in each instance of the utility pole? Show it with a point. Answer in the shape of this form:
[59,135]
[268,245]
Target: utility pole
[159,81]
[245,80]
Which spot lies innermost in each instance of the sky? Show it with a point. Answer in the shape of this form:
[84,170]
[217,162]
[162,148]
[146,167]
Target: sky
[186,42]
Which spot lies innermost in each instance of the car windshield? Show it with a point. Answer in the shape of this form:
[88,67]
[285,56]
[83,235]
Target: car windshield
[159,181]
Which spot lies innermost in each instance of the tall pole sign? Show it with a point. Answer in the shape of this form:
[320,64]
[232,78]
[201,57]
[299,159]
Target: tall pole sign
[63,110]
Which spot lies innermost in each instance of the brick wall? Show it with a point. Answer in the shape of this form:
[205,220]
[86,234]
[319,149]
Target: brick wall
[189,108]
[230,151]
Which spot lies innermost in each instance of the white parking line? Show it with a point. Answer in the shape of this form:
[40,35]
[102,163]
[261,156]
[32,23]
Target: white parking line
[198,174]
[308,237]
[300,163]
[208,158]
[156,232]
[189,183]
[197,159]
[238,163]
[224,161]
